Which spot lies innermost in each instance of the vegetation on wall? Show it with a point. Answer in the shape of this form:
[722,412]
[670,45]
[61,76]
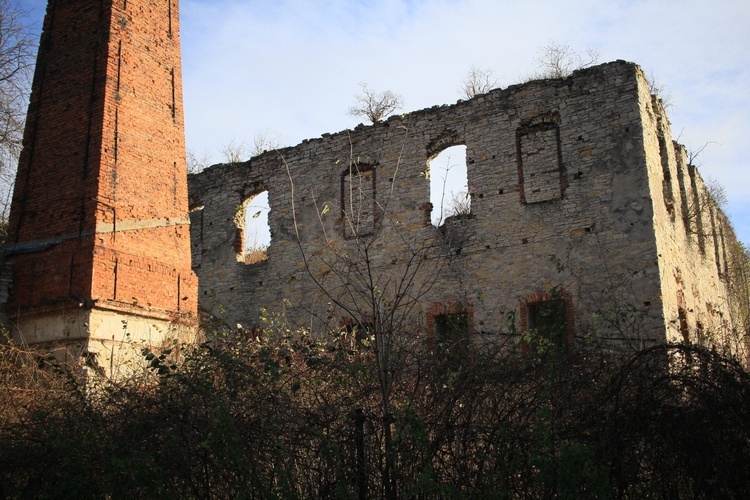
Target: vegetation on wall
[375,106]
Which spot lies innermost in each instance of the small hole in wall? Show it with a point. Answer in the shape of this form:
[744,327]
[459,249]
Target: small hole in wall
[647,303]
[501,191]
[525,241]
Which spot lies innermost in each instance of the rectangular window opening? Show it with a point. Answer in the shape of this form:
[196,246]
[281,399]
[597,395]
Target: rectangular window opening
[452,337]
[548,321]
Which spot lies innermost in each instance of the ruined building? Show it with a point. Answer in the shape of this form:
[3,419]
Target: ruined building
[585,218]
[99,229]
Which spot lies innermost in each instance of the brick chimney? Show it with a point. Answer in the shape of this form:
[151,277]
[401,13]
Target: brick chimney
[99,232]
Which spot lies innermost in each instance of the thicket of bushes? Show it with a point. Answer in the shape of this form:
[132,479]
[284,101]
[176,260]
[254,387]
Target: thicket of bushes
[298,417]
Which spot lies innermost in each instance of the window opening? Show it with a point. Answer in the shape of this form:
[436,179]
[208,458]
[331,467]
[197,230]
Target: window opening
[700,333]
[683,195]
[667,176]
[546,325]
[715,237]
[540,174]
[549,322]
[452,337]
[360,333]
[449,189]
[696,212]
[253,229]
[684,329]
[196,235]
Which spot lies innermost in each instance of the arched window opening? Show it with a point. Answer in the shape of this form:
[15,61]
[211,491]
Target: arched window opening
[252,226]
[449,189]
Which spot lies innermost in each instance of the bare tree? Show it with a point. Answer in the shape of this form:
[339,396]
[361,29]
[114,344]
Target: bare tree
[375,105]
[195,164]
[478,81]
[263,141]
[558,60]
[659,90]
[692,153]
[235,151]
[17,48]
[717,192]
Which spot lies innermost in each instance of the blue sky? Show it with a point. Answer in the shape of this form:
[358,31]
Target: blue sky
[288,69]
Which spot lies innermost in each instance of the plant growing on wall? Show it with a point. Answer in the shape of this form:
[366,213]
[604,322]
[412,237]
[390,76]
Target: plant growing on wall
[559,60]
[478,81]
[375,106]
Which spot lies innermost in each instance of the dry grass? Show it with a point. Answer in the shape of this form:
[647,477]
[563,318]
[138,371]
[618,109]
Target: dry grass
[255,255]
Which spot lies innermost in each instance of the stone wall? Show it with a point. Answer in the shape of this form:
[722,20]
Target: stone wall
[693,238]
[566,193]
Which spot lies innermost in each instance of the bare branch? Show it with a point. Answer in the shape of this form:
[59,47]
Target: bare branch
[195,164]
[559,60]
[693,154]
[659,91]
[263,142]
[717,193]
